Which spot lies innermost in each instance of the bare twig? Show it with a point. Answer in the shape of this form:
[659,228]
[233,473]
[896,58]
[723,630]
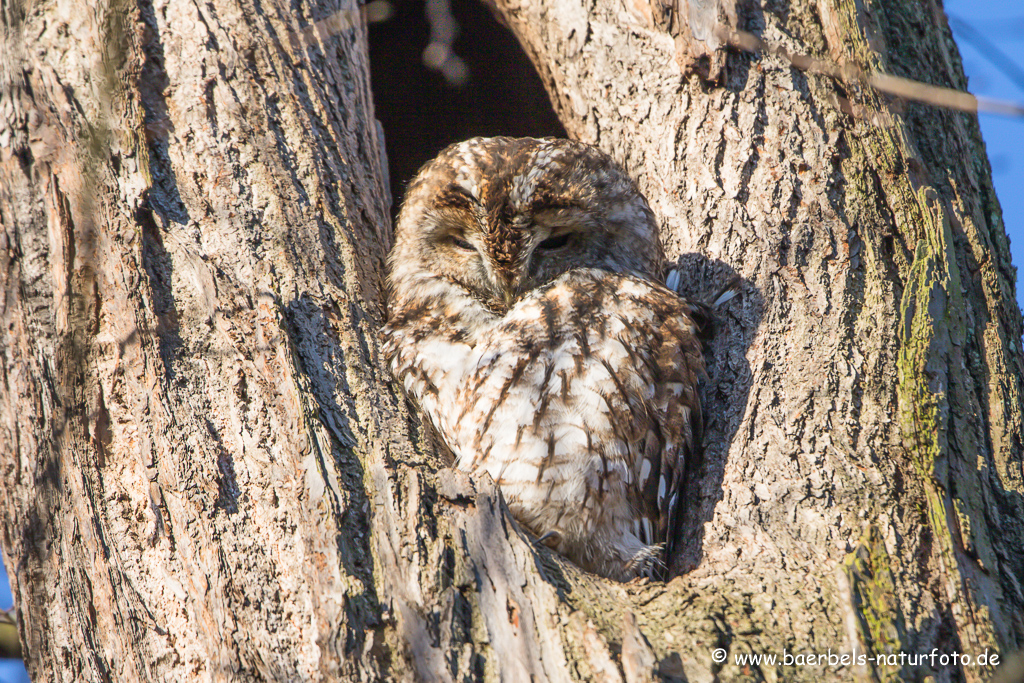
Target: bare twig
[891,85]
[439,56]
[987,49]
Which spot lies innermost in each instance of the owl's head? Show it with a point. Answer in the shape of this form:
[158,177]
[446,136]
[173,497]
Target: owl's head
[501,216]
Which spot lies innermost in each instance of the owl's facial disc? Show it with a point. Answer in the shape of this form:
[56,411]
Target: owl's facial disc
[515,252]
[457,250]
[493,272]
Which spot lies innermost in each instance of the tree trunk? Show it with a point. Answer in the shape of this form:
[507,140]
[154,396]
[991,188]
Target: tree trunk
[861,485]
[208,475]
[194,226]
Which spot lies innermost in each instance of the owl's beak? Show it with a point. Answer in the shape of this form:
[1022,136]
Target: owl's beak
[507,284]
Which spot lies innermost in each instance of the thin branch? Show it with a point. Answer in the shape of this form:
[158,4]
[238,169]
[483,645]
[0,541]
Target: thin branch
[891,85]
[989,50]
[905,88]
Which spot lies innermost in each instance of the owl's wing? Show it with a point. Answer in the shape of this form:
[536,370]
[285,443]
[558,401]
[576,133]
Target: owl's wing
[676,421]
[646,338]
[582,402]
[429,359]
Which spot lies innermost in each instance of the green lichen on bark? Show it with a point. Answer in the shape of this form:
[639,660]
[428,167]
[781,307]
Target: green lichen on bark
[932,333]
[881,624]
[932,321]
[121,66]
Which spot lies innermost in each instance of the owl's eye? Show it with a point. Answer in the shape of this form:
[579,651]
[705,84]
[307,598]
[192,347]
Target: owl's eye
[460,243]
[552,243]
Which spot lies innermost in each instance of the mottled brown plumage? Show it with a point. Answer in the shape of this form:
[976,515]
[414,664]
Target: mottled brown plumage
[528,323]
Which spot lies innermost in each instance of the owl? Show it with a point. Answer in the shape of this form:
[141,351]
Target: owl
[528,322]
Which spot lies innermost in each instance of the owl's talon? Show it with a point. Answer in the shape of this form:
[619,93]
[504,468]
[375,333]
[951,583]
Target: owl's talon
[647,563]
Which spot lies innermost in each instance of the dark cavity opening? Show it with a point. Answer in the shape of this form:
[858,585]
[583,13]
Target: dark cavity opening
[484,85]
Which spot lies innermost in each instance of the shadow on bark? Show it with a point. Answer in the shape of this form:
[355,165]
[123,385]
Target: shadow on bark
[723,397]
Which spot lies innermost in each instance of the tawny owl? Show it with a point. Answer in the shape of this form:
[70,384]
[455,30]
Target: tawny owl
[528,322]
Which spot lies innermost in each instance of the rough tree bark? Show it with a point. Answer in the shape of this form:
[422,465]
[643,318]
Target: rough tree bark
[862,482]
[207,475]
